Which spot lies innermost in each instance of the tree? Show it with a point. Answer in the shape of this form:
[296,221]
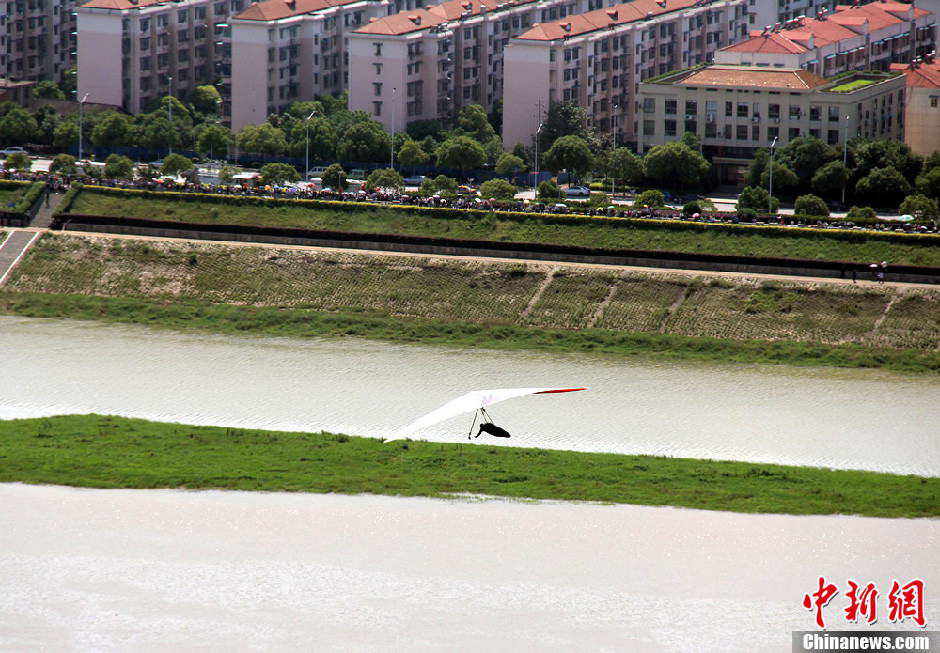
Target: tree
[178,112]
[213,140]
[261,139]
[19,161]
[932,161]
[48,90]
[570,153]
[599,200]
[548,190]
[498,189]
[17,127]
[227,174]
[928,183]
[625,166]
[334,177]
[411,154]
[460,152]
[691,208]
[472,122]
[276,174]
[861,213]
[653,199]
[921,207]
[520,151]
[364,141]
[118,167]
[676,165]
[755,198]
[441,184]
[805,155]
[175,164]
[564,119]
[830,179]
[206,99]
[65,134]
[883,187]
[111,129]
[301,109]
[158,133]
[509,164]
[322,139]
[757,167]
[420,129]
[785,180]
[884,153]
[811,205]
[691,141]
[386,178]
[63,164]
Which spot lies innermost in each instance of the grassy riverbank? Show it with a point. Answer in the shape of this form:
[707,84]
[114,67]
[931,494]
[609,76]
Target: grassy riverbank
[587,232]
[114,452]
[286,292]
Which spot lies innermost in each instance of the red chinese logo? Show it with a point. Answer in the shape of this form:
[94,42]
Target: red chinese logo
[904,601]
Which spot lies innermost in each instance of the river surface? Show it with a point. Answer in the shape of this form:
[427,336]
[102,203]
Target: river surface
[858,419]
[168,570]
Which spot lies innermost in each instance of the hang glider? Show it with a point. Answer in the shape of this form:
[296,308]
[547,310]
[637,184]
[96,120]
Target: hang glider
[473,402]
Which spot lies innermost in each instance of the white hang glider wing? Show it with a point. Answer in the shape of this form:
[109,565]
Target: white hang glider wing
[473,401]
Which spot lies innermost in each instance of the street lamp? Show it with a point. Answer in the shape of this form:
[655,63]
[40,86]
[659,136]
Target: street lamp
[845,156]
[394,90]
[81,121]
[613,142]
[535,182]
[169,111]
[307,147]
[770,198]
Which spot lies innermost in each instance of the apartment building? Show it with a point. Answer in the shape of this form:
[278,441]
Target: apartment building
[860,37]
[598,59]
[735,110]
[131,52]
[289,50]
[36,38]
[426,63]
[922,105]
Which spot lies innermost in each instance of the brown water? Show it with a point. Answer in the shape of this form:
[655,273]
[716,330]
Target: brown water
[839,418]
[133,570]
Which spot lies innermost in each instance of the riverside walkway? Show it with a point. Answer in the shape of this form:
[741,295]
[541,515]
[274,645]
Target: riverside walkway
[12,250]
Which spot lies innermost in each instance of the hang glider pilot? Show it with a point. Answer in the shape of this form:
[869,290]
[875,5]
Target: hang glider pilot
[492,429]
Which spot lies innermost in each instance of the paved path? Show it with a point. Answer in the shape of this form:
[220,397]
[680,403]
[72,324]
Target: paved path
[12,250]
[43,217]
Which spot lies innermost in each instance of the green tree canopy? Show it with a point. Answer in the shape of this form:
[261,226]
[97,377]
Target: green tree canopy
[261,139]
[278,173]
[691,140]
[385,178]
[883,187]
[206,99]
[322,139]
[785,180]
[625,166]
[157,133]
[473,122]
[498,189]
[861,213]
[300,110]
[63,164]
[364,141]
[805,155]
[410,154]
[756,198]
[65,134]
[227,174]
[48,90]
[929,182]
[19,161]
[570,153]
[829,179]
[548,190]
[175,164]
[921,207]
[420,129]
[676,165]
[757,167]
[460,152]
[564,119]
[652,199]
[17,127]
[111,129]
[884,153]
[118,167]
[213,140]
[509,164]
[334,177]
[811,205]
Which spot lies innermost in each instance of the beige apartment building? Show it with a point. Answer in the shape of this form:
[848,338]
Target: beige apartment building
[426,63]
[922,106]
[598,59]
[735,110]
[289,50]
[36,39]
[131,52]
[863,37]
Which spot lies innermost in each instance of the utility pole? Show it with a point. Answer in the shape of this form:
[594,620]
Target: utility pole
[169,110]
[538,128]
[81,123]
[845,155]
[394,90]
[613,142]
[307,149]
[770,198]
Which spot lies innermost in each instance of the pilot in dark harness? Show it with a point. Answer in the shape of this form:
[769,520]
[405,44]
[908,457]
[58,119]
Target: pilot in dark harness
[487,426]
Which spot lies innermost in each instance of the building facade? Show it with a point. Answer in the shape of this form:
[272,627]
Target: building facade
[735,110]
[133,52]
[289,50]
[36,39]
[863,37]
[598,59]
[922,106]
[427,63]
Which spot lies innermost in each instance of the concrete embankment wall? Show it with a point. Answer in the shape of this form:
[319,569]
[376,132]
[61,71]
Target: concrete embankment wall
[454,247]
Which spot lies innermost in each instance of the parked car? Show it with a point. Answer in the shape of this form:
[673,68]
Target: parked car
[577,191]
[417,180]
[11,150]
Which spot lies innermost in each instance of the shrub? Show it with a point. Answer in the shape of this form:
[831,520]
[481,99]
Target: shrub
[63,164]
[653,199]
[548,190]
[921,207]
[599,201]
[334,177]
[116,167]
[19,161]
[691,208]
[861,213]
[757,199]
[175,164]
[385,178]
[279,173]
[811,205]
[498,189]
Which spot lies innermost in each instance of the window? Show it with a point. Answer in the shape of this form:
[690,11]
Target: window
[934,100]
[728,132]
[182,16]
[795,112]
[377,108]
[691,108]
[671,107]
[742,109]
[742,132]
[378,68]
[773,111]
[728,109]
[833,114]
[378,51]
[649,105]
[669,127]
[377,87]
[649,127]
[755,133]
[794,132]
[832,136]
[772,133]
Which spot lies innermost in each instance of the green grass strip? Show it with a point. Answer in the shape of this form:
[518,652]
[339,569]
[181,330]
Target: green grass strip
[115,452]
[293,322]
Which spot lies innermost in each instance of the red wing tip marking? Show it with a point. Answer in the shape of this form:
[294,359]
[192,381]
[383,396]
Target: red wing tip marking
[550,392]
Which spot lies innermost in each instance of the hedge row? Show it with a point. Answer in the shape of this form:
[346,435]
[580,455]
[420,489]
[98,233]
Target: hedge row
[30,197]
[69,198]
[526,218]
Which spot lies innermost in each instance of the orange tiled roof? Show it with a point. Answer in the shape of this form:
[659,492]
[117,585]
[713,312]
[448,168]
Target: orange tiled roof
[627,12]
[278,9]
[925,75]
[120,4]
[717,75]
[415,20]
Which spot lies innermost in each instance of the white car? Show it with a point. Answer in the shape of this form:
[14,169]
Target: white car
[577,191]
[11,150]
